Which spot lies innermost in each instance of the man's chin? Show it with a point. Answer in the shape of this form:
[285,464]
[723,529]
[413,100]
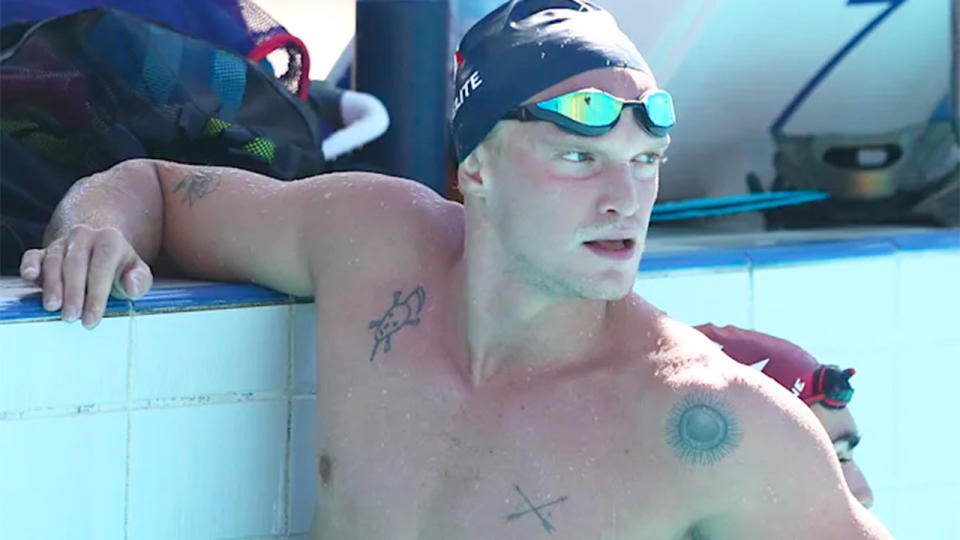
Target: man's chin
[606,291]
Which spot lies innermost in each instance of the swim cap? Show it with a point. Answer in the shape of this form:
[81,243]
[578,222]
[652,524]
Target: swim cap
[523,47]
[794,368]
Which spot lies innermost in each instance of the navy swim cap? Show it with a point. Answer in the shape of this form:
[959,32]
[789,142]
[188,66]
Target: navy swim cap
[523,47]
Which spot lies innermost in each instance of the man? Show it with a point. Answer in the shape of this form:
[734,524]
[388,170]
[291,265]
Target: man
[824,388]
[484,370]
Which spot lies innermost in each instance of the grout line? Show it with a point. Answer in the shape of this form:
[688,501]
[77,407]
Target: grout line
[126,476]
[275,537]
[751,296]
[287,470]
[287,493]
[145,404]
[897,359]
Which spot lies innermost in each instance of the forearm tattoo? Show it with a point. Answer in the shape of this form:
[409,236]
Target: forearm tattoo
[400,314]
[541,511]
[197,185]
[702,430]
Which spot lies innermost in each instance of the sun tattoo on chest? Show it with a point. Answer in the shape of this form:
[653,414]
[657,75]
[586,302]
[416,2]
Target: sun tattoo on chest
[400,314]
[701,429]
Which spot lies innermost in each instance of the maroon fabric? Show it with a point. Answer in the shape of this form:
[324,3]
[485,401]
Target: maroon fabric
[784,362]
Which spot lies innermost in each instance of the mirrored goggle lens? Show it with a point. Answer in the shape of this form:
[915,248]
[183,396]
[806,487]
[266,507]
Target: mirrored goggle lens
[588,108]
[660,110]
[843,396]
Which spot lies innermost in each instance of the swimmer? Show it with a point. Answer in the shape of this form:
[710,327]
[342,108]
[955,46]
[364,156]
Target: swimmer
[824,388]
[485,370]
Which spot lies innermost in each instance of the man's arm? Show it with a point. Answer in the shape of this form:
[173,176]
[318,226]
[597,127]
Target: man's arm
[789,484]
[211,223]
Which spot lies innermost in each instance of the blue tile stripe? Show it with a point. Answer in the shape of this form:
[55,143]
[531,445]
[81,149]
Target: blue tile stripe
[31,308]
[820,251]
[201,296]
[228,295]
[701,258]
[947,239]
[159,299]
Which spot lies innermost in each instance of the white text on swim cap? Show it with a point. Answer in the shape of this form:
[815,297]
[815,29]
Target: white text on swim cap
[468,86]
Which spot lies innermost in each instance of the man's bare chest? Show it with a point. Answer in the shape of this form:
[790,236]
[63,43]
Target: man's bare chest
[409,449]
[514,469]
[405,445]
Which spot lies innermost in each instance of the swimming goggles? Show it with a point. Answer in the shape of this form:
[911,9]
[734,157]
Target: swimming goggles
[831,387]
[591,112]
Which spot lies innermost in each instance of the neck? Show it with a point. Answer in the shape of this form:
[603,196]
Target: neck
[515,328]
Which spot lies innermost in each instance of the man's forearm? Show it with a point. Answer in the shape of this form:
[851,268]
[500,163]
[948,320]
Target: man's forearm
[127,197]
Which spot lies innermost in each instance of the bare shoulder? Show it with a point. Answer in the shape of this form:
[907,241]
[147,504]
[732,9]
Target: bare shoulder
[756,456]
[362,222]
[770,424]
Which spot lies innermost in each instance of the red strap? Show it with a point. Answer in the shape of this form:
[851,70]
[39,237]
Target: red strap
[283,41]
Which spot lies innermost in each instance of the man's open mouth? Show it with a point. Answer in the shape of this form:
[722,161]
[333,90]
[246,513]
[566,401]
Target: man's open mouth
[612,245]
[622,249]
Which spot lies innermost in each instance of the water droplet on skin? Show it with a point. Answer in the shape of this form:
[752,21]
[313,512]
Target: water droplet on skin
[327,195]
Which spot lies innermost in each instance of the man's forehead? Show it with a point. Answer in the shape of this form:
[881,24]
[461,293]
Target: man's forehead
[838,422]
[620,82]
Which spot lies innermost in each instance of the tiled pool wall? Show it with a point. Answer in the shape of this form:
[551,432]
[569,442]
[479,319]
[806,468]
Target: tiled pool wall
[191,414]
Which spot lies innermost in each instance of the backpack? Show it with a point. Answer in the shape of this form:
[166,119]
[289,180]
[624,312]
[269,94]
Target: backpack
[82,92]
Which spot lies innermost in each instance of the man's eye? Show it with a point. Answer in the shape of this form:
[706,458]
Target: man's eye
[652,158]
[577,157]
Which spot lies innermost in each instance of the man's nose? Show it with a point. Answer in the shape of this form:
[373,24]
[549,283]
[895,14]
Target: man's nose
[622,192]
[858,484]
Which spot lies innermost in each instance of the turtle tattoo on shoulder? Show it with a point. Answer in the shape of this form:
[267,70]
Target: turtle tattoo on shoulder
[401,313]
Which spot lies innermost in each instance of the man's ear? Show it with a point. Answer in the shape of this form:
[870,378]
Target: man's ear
[469,179]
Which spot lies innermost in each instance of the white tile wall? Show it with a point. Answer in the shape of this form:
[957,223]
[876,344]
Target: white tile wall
[303,468]
[927,513]
[55,363]
[209,352]
[929,296]
[927,436]
[304,348]
[214,471]
[720,296]
[885,506]
[63,477]
[828,303]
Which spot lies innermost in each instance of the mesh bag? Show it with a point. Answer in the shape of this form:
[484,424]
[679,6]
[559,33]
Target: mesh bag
[82,92]
[238,25]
